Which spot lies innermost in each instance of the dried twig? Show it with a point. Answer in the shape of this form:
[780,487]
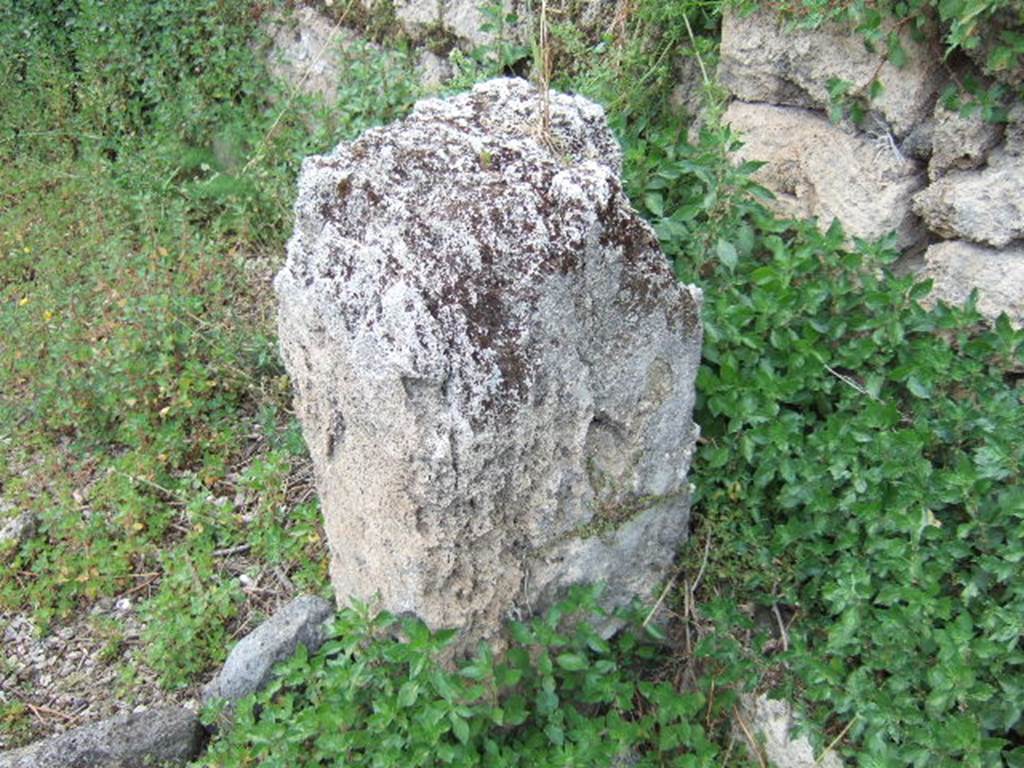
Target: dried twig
[544,75]
[693,44]
[661,599]
[38,708]
[783,635]
[755,747]
[238,549]
[142,586]
[166,491]
[282,579]
[848,381]
[728,751]
[836,740]
[703,564]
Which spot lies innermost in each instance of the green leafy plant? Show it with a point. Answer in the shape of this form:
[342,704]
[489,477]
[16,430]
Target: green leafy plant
[858,468]
[381,693]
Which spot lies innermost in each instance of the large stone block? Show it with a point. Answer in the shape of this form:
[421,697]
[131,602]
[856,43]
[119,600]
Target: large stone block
[984,206]
[764,59]
[960,142]
[815,168]
[493,362]
[957,268]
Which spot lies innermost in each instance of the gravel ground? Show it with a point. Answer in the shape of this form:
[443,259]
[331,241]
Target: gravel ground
[91,666]
[85,669]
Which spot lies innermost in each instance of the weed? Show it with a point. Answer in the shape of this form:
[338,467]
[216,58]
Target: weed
[377,694]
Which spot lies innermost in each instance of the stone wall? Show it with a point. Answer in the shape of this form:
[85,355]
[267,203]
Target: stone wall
[950,186]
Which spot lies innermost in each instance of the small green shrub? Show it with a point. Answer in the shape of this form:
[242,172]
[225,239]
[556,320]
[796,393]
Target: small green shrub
[378,695]
[860,465]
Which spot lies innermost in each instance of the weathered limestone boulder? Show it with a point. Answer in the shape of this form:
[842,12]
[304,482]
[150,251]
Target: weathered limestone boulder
[960,142]
[166,736]
[763,59]
[493,362]
[984,206]
[957,268]
[817,169]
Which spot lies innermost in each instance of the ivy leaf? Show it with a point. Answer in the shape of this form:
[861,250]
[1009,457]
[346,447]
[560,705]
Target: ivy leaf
[408,694]
[459,727]
[574,662]
[726,252]
[655,203]
[918,388]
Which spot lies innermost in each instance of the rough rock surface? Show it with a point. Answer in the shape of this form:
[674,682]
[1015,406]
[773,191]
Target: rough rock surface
[772,722]
[1014,136]
[461,18]
[304,51]
[251,661]
[166,736]
[493,362]
[817,169]
[959,142]
[957,267]
[984,206]
[765,60]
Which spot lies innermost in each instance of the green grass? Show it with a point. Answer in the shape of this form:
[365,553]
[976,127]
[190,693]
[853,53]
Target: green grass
[144,414]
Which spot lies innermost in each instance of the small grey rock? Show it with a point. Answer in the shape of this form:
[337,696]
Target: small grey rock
[165,736]
[251,661]
[17,531]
